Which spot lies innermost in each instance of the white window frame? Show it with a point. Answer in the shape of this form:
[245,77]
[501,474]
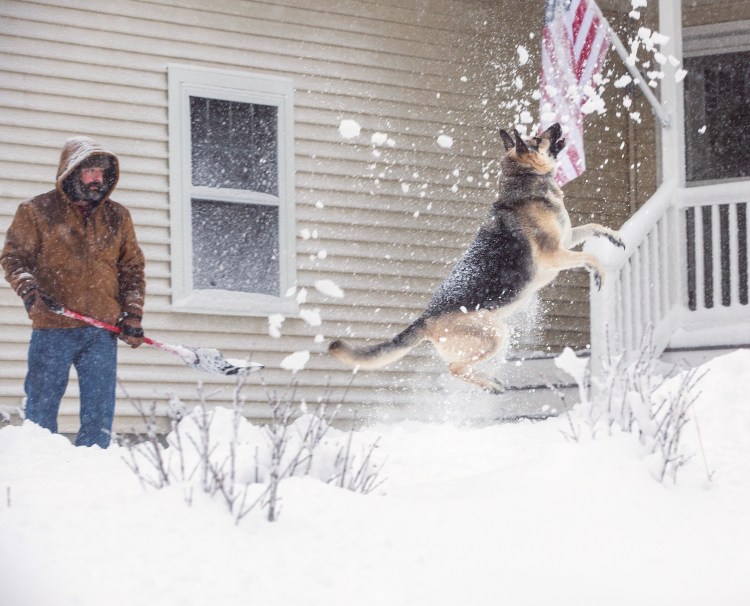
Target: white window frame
[186,81]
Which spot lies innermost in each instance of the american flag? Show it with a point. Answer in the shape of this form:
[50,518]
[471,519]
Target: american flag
[574,43]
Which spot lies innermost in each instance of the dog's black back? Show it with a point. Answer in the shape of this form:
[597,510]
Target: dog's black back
[492,272]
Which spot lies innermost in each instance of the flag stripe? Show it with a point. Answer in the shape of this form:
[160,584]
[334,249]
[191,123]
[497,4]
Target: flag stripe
[574,44]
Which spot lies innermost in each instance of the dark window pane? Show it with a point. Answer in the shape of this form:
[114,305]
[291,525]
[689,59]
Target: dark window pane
[234,145]
[236,247]
[717,112]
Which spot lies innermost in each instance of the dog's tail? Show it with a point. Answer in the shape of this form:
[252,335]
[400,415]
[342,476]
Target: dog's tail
[381,354]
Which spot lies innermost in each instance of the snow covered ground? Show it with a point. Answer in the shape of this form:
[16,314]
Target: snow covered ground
[507,514]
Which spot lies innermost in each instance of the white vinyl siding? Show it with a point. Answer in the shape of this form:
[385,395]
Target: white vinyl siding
[231,191]
[385,227]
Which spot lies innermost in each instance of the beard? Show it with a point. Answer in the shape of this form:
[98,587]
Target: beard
[93,192]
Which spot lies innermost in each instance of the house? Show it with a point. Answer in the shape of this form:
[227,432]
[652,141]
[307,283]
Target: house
[267,147]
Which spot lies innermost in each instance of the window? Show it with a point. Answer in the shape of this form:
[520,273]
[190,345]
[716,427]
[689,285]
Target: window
[717,103]
[231,191]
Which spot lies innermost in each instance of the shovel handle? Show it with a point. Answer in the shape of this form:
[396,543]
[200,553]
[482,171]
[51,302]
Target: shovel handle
[99,324]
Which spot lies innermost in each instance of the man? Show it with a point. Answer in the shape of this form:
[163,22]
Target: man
[78,247]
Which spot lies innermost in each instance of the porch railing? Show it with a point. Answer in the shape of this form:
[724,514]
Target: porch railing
[684,272]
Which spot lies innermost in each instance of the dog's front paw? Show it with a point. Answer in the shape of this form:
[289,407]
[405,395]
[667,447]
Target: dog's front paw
[616,239]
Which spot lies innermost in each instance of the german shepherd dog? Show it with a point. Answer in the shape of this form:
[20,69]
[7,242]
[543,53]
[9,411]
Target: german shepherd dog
[521,247]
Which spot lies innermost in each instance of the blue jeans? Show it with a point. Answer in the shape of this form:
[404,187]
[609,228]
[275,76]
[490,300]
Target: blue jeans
[93,352]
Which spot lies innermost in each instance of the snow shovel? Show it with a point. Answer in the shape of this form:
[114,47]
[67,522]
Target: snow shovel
[200,358]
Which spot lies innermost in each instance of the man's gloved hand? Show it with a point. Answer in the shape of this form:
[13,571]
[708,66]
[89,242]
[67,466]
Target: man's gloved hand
[130,329]
[37,304]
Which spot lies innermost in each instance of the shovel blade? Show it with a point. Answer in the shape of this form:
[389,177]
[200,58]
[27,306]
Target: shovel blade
[211,360]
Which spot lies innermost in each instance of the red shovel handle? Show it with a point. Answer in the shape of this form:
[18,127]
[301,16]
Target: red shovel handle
[98,323]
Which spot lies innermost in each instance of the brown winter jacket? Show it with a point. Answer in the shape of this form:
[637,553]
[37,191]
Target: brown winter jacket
[93,267]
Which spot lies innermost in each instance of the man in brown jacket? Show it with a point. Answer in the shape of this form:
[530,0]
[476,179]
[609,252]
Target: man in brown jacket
[78,247]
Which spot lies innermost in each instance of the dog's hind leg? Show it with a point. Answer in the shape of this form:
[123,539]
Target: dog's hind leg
[466,372]
[584,232]
[464,340]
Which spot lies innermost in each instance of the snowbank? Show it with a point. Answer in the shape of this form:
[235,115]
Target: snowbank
[507,514]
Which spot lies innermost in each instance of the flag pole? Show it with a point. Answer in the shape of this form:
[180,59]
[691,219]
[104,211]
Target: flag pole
[656,105]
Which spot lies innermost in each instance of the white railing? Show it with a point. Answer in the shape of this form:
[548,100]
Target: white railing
[684,272]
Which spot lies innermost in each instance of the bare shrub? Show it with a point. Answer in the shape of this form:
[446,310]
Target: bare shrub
[631,396]
[220,453]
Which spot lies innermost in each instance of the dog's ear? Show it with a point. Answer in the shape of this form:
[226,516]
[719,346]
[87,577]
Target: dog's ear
[507,140]
[520,145]
[553,133]
[557,147]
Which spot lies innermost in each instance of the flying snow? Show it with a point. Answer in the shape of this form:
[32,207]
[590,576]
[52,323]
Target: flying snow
[311,317]
[329,288]
[274,325]
[296,361]
[349,129]
[378,138]
[623,81]
[445,141]
[523,55]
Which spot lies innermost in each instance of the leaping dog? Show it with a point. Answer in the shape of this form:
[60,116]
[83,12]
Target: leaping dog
[521,247]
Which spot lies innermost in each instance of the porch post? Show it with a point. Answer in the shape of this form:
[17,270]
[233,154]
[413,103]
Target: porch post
[672,138]
[672,158]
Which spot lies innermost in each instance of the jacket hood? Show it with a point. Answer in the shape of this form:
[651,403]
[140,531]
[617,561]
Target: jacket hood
[78,149]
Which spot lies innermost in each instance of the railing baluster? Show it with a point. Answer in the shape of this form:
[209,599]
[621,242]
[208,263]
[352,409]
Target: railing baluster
[745,286]
[664,264]
[653,276]
[645,269]
[636,295]
[734,256]
[700,287]
[627,306]
[716,254]
[618,338]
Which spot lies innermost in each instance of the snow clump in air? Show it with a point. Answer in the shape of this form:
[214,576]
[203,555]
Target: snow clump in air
[623,81]
[523,55]
[274,325]
[329,288]
[445,141]
[635,13]
[296,361]
[379,138]
[349,129]
[311,317]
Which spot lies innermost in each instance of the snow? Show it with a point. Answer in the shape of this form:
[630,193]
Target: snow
[379,138]
[523,55]
[509,513]
[445,141]
[349,129]
[274,325]
[311,317]
[295,361]
[623,81]
[329,288]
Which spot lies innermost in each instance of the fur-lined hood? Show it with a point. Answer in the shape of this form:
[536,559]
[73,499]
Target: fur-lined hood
[75,151]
